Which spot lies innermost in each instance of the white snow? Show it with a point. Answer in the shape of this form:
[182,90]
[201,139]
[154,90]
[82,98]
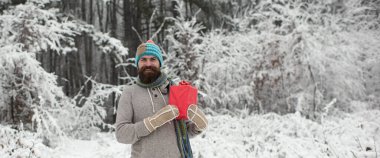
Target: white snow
[330,61]
[103,146]
[262,136]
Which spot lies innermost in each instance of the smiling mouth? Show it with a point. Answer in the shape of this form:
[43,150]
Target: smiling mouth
[148,70]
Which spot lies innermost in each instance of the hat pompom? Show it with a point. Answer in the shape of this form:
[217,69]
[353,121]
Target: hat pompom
[150,41]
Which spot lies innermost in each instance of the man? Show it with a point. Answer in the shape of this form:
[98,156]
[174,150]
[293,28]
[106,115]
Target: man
[144,118]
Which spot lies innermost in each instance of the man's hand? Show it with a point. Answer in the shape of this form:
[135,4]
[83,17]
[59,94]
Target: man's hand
[197,116]
[166,114]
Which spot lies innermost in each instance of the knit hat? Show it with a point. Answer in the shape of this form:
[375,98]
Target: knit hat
[148,48]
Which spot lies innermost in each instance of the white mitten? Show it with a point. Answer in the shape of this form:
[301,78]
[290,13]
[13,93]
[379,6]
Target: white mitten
[166,114]
[197,116]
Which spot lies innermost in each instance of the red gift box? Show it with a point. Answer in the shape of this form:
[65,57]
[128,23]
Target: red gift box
[182,96]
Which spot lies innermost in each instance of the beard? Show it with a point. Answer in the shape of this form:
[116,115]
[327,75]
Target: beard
[149,74]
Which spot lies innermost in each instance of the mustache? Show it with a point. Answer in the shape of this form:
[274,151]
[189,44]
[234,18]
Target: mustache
[149,67]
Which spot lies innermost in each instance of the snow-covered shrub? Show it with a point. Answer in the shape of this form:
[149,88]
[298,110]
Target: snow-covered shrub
[291,135]
[291,56]
[227,70]
[90,116]
[31,96]
[361,15]
[21,143]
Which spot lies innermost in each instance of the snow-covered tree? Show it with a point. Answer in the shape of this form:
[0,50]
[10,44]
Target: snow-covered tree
[292,56]
[184,39]
[31,98]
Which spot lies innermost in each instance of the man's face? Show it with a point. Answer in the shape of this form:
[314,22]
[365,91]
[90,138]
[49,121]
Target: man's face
[149,69]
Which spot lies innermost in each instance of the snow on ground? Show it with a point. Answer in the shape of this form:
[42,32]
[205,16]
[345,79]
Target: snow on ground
[103,146]
[271,135]
[263,136]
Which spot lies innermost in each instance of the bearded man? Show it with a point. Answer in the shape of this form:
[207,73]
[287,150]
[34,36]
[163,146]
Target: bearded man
[144,118]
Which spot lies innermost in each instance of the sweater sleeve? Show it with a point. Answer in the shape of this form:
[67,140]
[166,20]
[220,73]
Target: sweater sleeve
[128,131]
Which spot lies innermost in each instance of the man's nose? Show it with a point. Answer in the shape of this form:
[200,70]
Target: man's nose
[148,63]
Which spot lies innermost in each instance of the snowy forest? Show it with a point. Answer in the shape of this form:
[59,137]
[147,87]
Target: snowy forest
[276,78]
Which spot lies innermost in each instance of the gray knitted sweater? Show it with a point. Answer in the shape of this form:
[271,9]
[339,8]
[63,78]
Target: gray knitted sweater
[137,103]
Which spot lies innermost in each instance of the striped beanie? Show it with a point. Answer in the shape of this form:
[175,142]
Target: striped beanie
[148,48]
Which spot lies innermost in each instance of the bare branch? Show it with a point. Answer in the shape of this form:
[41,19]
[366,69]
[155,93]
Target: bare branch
[158,30]
[374,144]
[151,21]
[358,141]
[138,35]
[354,154]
